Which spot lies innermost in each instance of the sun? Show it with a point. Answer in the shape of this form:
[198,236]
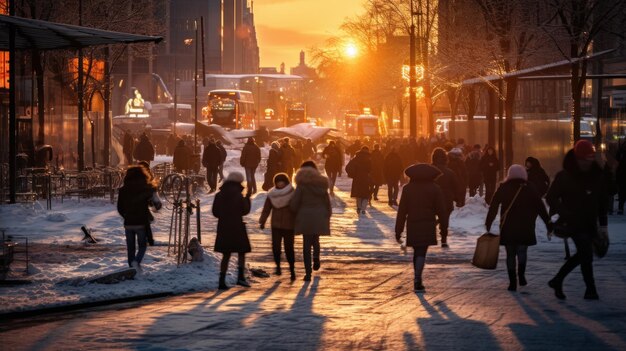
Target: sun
[351,51]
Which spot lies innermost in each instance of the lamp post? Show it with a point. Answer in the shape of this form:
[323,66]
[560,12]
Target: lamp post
[258,100]
[412,80]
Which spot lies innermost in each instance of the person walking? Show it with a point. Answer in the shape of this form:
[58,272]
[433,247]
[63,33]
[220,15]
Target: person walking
[578,196]
[620,176]
[250,159]
[474,171]
[378,175]
[144,151]
[287,157]
[229,207]
[519,204]
[277,204]
[489,166]
[273,166]
[211,160]
[224,154]
[134,199]
[359,169]
[311,205]
[308,150]
[449,184]
[128,146]
[393,172]
[182,158]
[422,204]
[537,175]
[333,164]
[457,165]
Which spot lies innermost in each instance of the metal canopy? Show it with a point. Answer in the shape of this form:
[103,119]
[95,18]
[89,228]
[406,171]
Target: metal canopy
[44,35]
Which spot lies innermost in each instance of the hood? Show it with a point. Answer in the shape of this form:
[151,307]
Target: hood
[422,172]
[311,177]
[280,197]
[231,186]
[363,153]
[517,172]
[439,157]
[455,153]
[534,162]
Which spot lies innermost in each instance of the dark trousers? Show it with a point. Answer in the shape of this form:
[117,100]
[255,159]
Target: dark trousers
[516,254]
[375,189]
[419,261]
[250,179]
[621,198]
[220,171]
[582,257]
[211,177]
[392,191]
[241,261]
[490,189]
[278,236]
[332,179]
[310,241]
[140,235]
[443,229]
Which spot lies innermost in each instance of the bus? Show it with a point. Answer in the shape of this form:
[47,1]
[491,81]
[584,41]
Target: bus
[367,126]
[231,109]
[349,122]
[296,113]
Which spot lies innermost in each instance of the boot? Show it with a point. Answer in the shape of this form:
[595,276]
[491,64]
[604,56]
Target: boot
[521,270]
[418,286]
[241,278]
[512,280]
[222,283]
[316,264]
[293,273]
[591,293]
[278,270]
[557,285]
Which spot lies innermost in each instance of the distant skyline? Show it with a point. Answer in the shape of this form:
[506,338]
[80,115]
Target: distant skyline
[284,27]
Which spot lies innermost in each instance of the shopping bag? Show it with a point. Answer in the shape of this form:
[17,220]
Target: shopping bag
[487,251]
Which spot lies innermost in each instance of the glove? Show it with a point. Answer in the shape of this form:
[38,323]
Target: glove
[550,227]
[488,228]
[399,238]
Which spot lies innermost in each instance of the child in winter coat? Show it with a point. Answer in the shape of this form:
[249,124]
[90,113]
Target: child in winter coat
[277,203]
[229,207]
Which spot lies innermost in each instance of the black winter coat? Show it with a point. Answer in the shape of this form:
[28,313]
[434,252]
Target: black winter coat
[538,176]
[579,197]
[212,157]
[144,151]
[223,153]
[273,167]
[489,165]
[450,186]
[360,167]
[473,167]
[133,204]
[378,162]
[229,207]
[393,168]
[182,158]
[458,167]
[519,224]
[250,156]
[421,204]
[334,159]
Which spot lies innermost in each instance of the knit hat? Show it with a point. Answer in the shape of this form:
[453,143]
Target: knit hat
[281,177]
[583,149]
[439,156]
[517,172]
[236,177]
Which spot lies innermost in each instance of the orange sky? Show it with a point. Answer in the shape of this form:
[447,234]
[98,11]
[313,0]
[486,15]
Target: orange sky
[284,27]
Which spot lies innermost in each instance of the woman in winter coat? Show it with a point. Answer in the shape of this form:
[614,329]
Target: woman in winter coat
[489,165]
[578,196]
[273,166]
[359,169]
[519,204]
[457,165]
[422,204]
[393,172]
[474,171]
[229,207]
[449,184]
[250,159]
[311,205]
[334,162]
[277,203]
[135,197]
[144,151]
[378,176]
[537,176]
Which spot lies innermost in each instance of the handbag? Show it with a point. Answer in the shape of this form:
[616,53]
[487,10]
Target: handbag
[488,245]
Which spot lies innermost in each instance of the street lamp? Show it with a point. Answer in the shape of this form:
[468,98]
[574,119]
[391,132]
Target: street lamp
[258,99]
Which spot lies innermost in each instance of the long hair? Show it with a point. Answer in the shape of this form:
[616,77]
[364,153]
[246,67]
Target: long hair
[137,176]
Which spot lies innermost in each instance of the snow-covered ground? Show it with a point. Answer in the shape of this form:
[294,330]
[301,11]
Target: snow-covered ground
[361,299]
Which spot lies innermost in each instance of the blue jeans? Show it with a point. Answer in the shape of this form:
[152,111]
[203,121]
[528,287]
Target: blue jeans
[140,233]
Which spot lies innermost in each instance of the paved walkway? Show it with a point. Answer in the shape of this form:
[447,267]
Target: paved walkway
[360,300]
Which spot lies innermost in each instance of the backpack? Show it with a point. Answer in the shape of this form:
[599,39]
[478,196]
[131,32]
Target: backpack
[351,168]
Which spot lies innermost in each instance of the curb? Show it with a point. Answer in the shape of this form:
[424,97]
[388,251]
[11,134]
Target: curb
[80,306]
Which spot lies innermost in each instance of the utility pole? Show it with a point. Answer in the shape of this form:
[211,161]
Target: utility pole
[195,93]
[412,81]
[79,87]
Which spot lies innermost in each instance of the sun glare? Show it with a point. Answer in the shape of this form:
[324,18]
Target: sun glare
[351,50]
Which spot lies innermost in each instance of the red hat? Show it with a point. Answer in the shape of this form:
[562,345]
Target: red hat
[584,149]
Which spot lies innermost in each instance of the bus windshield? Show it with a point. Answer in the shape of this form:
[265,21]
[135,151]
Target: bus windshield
[222,108]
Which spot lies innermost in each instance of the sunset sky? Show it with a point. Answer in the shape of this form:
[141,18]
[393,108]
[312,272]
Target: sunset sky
[284,27]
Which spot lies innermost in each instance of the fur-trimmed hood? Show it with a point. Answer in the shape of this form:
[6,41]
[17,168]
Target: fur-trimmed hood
[311,177]
[280,197]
